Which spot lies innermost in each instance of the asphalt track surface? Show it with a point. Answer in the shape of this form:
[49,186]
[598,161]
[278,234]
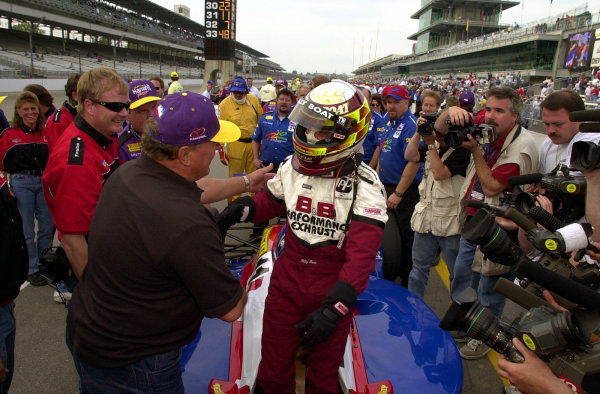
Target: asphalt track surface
[43,363]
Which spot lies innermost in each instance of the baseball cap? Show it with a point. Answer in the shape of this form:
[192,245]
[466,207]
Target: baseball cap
[187,118]
[141,92]
[466,99]
[209,81]
[238,85]
[281,82]
[174,74]
[269,79]
[396,91]
[2,98]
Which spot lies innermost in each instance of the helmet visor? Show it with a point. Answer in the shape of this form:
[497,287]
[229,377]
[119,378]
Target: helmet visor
[319,119]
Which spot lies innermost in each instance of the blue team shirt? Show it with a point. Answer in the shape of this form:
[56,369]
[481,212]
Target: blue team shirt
[392,147]
[275,136]
[374,135]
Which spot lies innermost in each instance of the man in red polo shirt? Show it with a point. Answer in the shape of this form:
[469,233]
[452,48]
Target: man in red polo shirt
[83,158]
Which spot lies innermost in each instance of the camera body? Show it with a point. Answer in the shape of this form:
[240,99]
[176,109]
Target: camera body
[427,129]
[566,192]
[456,135]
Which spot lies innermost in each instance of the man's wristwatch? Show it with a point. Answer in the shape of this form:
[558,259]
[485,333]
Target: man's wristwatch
[435,145]
[398,194]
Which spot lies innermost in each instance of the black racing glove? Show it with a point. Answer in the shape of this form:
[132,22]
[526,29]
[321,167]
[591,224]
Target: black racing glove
[319,326]
[240,210]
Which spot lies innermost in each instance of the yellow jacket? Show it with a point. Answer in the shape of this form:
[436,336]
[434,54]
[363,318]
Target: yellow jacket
[245,116]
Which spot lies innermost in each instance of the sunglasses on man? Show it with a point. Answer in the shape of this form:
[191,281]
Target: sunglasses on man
[114,106]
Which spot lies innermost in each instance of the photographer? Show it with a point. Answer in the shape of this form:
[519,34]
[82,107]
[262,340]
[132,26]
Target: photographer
[435,219]
[514,152]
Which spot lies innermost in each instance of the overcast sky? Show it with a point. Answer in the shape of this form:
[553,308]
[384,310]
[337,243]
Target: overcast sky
[339,35]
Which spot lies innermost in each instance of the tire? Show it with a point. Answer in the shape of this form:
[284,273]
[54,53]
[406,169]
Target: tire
[391,243]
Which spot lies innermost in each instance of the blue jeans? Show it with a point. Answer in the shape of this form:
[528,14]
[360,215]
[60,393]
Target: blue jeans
[465,277]
[32,205]
[7,343]
[424,250]
[159,373]
[463,269]
[488,297]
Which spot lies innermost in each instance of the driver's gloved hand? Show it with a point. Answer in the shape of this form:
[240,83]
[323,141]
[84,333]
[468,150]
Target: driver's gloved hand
[241,210]
[320,324]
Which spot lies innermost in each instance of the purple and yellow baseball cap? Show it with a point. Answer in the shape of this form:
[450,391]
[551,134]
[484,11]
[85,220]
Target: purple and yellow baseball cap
[141,92]
[396,91]
[187,118]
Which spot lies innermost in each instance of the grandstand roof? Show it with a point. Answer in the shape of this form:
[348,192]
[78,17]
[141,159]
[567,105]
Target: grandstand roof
[161,13]
[165,15]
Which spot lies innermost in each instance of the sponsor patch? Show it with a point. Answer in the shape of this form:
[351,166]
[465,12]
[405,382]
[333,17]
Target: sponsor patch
[135,147]
[305,186]
[76,151]
[372,211]
[341,308]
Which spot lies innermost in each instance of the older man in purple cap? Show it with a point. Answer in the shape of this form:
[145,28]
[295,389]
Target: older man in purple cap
[401,180]
[144,297]
[143,97]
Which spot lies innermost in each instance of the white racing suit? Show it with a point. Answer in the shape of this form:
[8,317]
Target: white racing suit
[321,247]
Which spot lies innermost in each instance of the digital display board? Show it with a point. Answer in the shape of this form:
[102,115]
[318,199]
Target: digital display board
[579,51]
[220,16]
[596,53]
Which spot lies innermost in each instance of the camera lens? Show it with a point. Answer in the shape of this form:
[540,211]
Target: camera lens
[493,241]
[483,325]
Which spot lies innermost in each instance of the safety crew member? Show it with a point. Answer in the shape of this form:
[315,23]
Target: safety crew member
[175,86]
[267,92]
[244,110]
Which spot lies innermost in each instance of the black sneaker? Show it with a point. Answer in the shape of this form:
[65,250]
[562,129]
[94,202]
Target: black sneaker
[36,279]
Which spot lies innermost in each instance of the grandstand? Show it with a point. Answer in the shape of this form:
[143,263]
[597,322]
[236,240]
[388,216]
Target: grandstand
[55,38]
[536,50]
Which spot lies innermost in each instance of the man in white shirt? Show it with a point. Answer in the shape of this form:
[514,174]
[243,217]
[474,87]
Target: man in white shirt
[209,86]
[562,133]
[252,89]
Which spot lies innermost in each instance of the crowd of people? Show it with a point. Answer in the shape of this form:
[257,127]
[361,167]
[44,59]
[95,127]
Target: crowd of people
[135,155]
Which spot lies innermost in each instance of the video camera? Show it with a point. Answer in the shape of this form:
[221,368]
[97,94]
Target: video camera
[569,341]
[567,193]
[585,155]
[456,135]
[427,129]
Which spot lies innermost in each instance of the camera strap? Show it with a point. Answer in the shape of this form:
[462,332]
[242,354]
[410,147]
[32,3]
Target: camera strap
[487,148]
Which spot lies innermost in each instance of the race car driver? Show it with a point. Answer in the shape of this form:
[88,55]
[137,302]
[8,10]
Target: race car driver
[336,213]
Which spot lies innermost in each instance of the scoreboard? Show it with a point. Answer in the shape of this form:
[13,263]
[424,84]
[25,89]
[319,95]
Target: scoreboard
[220,16]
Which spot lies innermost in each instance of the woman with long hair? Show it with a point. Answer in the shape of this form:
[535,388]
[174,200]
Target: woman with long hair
[24,154]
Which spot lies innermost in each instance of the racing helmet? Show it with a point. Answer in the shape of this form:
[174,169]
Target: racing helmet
[336,107]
